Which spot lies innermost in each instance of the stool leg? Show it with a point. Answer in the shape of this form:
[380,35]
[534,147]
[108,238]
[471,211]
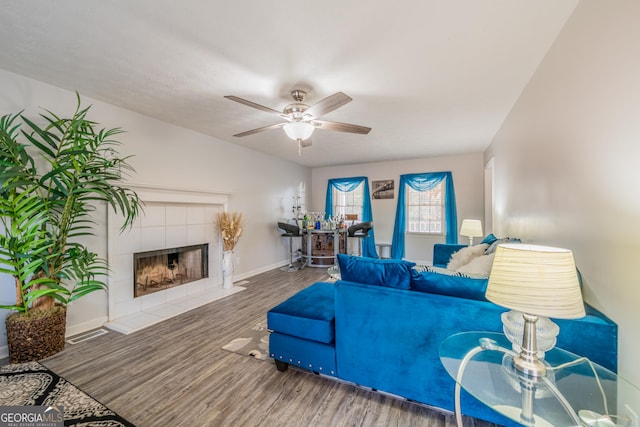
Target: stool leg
[358,244]
[290,268]
[290,252]
[300,264]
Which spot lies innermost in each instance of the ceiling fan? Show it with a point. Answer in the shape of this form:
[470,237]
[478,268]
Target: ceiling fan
[301,120]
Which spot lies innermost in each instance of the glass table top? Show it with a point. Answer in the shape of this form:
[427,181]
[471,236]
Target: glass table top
[574,392]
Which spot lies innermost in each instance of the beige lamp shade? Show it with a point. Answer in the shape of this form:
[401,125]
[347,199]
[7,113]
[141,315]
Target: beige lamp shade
[471,228]
[538,280]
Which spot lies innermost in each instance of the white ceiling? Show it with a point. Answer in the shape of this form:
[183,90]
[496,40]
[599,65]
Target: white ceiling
[430,77]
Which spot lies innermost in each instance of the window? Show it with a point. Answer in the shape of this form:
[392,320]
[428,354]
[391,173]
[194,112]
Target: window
[425,210]
[348,202]
[435,185]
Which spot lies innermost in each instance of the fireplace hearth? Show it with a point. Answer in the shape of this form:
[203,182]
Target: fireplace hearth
[166,268]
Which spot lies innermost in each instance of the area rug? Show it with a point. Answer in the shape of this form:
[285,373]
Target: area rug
[253,342]
[32,384]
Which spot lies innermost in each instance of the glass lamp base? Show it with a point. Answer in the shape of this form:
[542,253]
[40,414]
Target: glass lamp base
[546,331]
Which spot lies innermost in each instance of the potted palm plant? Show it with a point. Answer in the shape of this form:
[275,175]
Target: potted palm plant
[53,174]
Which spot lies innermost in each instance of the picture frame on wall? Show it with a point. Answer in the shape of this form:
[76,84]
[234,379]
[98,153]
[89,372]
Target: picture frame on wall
[383,189]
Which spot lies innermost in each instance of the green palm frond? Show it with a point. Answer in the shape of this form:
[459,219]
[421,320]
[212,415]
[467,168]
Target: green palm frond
[44,212]
[24,248]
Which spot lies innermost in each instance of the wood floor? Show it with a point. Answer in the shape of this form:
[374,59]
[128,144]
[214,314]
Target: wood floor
[176,374]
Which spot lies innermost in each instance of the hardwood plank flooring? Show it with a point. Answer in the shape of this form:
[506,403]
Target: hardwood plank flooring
[176,374]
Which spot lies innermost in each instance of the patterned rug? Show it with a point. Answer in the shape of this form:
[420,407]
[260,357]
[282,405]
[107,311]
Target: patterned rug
[31,384]
[253,342]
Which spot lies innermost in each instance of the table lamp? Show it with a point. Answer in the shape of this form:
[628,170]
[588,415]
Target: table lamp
[537,281]
[471,228]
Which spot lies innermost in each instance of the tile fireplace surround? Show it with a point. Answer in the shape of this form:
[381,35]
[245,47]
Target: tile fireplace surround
[172,218]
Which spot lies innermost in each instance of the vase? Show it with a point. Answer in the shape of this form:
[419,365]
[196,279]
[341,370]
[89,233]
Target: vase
[227,269]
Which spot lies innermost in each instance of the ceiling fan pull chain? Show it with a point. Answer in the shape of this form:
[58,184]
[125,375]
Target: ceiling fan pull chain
[299,147]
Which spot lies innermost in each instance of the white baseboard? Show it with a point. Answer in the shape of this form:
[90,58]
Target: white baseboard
[246,275]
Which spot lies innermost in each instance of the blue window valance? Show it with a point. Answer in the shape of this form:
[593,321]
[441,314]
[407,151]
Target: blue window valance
[424,182]
[350,184]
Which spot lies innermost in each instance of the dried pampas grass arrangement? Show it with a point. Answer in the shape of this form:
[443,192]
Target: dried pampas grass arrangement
[230,227]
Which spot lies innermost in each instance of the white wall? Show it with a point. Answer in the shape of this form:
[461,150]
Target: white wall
[467,172]
[566,161]
[261,186]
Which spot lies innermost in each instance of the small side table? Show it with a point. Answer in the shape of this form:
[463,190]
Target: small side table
[576,394]
[384,250]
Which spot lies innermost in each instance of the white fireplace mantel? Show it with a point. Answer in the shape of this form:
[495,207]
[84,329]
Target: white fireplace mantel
[171,217]
[149,193]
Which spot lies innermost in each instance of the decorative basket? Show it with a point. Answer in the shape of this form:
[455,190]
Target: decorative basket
[37,336]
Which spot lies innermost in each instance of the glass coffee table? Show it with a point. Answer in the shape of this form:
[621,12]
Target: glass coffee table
[575,391]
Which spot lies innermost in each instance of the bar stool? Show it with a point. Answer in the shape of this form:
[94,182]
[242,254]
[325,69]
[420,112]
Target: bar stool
[359,231]
[290,231]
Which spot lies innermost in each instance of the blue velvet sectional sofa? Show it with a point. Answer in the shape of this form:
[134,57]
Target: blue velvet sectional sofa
[381,327]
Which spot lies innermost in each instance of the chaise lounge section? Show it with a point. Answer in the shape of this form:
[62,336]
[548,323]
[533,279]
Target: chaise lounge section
[303,330]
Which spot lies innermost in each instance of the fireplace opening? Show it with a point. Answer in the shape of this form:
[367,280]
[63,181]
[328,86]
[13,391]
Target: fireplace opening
[155,271]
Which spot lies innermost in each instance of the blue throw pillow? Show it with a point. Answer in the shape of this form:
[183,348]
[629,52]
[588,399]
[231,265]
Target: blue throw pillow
[391,273]
[489,239]
[452,285]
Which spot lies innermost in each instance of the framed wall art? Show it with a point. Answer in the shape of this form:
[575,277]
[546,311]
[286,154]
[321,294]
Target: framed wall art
[382,189]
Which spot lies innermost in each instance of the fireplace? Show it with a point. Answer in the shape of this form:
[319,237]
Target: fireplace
[162,269]
[172,218]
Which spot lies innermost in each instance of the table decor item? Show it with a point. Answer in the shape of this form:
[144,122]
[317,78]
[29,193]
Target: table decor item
[230,228]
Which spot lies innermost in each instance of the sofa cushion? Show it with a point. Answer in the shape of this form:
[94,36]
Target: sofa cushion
[391,273]
[309,314]
[454,285]
[479,266]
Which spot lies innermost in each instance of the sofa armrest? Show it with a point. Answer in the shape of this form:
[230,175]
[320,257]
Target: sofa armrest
[442,253]
[594,336]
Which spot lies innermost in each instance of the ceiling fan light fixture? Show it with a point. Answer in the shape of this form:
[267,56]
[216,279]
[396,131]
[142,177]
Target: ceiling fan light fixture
[299,130]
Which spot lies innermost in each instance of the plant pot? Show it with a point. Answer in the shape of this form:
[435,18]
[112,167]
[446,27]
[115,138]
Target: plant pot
[37,336]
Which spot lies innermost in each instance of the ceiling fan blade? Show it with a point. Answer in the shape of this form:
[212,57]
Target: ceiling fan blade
[341,127]
[328,104]
[262,129]
[254,105]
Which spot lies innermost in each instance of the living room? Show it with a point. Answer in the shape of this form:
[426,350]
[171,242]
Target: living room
[562,161]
